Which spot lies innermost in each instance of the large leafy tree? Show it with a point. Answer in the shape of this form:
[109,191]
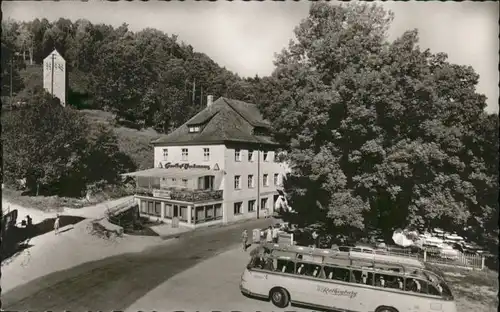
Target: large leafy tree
[52,148]
[376,130]
[11,58]
[41,142]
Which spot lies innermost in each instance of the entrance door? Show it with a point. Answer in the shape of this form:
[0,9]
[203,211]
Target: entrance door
[176,210]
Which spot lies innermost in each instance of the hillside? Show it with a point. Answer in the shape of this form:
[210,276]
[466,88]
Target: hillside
[134,143]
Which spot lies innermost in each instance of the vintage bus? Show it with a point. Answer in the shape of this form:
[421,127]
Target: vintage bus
[326,279]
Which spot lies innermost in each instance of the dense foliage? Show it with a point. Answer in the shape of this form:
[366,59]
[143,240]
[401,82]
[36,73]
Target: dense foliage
[52,148]
[381,134]
[147,78]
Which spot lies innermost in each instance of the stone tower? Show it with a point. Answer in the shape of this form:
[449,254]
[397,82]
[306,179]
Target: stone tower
[54,76]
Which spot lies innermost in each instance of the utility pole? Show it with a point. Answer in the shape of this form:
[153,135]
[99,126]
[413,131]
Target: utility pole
[11,75]
[194,92]
[258,182]
[52,56]
[201,98]
[11,66]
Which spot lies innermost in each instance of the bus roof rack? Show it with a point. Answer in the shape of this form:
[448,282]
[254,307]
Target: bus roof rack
[406,266]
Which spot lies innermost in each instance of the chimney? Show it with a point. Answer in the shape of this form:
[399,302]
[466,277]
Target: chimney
[210,100]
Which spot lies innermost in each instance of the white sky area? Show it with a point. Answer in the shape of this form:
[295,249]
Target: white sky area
[243,36]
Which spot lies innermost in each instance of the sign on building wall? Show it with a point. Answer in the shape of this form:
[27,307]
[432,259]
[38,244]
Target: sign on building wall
[182,166]
[54,76]
[162,193]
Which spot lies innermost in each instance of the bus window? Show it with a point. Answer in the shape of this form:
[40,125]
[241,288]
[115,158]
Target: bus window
[336,273]
[416,285]
[285,266]
[356,276]
[269,264]
[256,263]
[363,277]
[435,290]
[387,280]
[308,269]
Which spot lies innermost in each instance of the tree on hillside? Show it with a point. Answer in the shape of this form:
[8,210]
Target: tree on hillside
[10,58]
[41,142]
[148,78]
[376,130]
[51,147]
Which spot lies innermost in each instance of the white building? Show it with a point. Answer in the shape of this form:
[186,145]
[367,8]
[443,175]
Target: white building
[55,76]
[219,166]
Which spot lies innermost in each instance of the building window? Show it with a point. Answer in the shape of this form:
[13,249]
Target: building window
[263,203]
[185,154]
[165,154]
[237,155]
[237,182]
[184,182]
[206,183]
[174,181]
[250,155]
[206,154]
[265,156]
[251,183]
[251,205]
[265,180]
[237,208]
[276,179]
[194,129]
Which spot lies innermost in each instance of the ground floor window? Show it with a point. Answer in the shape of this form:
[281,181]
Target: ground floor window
[263,203]
[183,214]
[207,213]
[168,211]
[237,208]
[251,205]
[218,211]
[151,207]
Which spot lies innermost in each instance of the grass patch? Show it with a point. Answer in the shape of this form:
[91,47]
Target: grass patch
[473,290]
[134,143]
[51,203]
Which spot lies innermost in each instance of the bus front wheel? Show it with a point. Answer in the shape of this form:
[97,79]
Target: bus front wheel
[279,297]
[385,309]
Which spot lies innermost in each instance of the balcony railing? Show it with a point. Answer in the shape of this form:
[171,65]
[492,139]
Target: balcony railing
[193,196]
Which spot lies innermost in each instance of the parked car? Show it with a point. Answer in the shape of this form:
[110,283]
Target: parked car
[448,252]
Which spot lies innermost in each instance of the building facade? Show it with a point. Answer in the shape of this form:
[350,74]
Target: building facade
[224,158]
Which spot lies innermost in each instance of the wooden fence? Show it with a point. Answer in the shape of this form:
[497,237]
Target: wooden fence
[434,256]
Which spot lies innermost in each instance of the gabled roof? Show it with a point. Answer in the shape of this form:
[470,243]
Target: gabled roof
[57,54]
[225,120]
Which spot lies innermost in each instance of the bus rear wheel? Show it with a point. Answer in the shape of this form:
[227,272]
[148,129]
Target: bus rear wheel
[279,297]
[385,309]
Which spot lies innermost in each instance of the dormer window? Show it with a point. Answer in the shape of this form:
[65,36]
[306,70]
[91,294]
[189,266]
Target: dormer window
[261,131]
[194,129]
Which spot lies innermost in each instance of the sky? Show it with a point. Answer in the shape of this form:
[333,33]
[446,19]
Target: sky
[244,36]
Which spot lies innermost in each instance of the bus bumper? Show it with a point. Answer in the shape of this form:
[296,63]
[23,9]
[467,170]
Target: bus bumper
[248,293]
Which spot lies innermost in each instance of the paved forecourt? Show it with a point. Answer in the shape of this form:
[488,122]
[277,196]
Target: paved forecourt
[212,285]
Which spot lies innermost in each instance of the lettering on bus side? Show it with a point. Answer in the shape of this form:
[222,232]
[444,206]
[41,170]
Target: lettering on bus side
[336,291]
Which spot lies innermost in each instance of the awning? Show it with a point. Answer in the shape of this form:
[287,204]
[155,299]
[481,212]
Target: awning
[173,173]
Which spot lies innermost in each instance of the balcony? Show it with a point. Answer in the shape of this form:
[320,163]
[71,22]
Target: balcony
[186,195]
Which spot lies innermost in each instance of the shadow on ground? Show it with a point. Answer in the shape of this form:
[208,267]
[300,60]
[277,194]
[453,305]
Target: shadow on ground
[16,239]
